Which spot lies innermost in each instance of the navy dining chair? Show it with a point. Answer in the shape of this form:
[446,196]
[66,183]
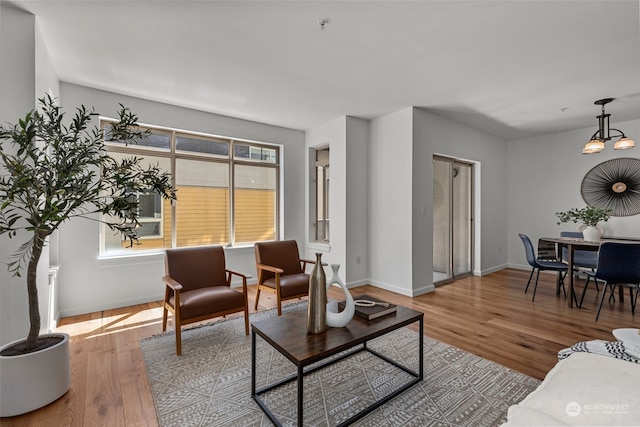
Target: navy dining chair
[547,251]
[539,265]
[583,261]
[581,258]
[618,265]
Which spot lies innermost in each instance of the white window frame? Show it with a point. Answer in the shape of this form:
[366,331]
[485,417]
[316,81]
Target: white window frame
[272,159]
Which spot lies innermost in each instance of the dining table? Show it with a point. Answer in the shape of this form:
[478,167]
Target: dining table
[575,243]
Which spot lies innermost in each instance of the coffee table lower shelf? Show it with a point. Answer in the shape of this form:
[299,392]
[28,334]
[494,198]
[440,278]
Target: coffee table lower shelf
[347,348]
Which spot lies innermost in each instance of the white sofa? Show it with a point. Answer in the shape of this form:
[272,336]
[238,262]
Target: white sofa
[585,389]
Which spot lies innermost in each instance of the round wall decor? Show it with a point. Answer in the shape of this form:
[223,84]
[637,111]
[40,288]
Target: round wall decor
[615,185]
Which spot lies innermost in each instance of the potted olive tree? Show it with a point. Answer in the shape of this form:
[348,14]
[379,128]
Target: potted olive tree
[51,172]
[590,217]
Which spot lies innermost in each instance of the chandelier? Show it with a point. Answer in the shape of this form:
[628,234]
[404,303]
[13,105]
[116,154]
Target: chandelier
[603,134]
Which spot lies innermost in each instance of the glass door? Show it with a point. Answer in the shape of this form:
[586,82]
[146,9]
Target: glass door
[452,219]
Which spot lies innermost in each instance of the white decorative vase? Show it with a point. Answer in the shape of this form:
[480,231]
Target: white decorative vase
[33,380]
[337,319]
[592,234]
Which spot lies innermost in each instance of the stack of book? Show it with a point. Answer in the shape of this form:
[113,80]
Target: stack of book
[369,308]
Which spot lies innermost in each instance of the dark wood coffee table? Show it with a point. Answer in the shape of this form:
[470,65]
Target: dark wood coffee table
[288,335]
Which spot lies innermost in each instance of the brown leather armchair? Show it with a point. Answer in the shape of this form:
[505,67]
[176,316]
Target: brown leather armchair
[281,271]
[198,287]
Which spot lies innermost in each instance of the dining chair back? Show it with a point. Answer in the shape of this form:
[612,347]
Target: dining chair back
[581,258]
[618,265]
[547,251]
[537,265]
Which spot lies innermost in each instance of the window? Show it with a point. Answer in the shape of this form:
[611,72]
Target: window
[155,213]
[243,151]
[149,215]
[255,203]
[222,199]
[322,195]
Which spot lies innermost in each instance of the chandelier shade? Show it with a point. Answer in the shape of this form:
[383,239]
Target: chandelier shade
[593,146]
[624,143]
[604,133]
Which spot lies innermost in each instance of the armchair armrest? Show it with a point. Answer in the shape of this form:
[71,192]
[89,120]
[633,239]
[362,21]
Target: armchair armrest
[172,283]
[176,286]
[270,268]
[237,273]
[244,277]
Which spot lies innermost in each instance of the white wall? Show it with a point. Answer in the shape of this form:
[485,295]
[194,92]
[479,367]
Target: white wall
[332,135]
[392,164]
[437,135]
[390,202]
[357,167]
[47,82]
[545,174]
[88,283]
[17,85]
[402,146]
[347,139]
[26,74]
[46,79]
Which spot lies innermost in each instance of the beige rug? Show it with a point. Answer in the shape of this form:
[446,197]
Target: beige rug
[210,384]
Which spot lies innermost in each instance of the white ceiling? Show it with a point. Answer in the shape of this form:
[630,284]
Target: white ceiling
[505,67]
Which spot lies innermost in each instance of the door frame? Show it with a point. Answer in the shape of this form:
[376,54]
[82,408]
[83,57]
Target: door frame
[451,236]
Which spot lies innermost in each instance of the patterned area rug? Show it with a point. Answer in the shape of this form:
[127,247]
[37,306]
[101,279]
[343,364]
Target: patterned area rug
[210,384]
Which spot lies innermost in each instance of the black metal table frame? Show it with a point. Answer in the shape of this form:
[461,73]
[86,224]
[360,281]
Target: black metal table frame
[417,376]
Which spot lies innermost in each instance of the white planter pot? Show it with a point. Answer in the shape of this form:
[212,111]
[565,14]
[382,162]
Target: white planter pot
[592,234]
[31,381]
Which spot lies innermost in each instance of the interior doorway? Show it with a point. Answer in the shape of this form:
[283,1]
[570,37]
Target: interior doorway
[452,219]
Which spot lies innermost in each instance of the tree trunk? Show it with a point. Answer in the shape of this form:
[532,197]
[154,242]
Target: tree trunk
[32,288]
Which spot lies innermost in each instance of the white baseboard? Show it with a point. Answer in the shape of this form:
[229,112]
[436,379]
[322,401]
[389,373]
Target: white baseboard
[403,291]
[114,304]
[491,270]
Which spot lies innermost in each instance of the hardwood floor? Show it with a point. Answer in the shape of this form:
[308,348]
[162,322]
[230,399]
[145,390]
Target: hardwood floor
[489,316]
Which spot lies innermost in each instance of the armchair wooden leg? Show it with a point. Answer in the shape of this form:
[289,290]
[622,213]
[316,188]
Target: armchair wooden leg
[257,297]
[178,340]
[165,309]
[176,319]
[246,320]
[164,318]
[278,295]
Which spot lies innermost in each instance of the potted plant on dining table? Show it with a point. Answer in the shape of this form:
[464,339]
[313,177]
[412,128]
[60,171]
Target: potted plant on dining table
[589,216]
